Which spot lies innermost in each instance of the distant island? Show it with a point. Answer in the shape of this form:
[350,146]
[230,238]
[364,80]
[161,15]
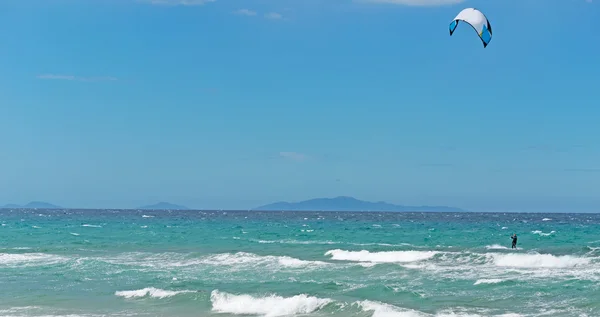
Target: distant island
[32,205]
[164,206]
[344,203]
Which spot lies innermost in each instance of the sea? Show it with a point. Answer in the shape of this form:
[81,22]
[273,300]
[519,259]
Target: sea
[249,263]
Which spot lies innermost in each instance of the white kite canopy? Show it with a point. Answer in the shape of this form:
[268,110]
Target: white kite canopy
[477,20]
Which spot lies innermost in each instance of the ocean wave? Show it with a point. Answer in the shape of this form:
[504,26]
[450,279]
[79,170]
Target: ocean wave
[380,309]
[91,226]
[268,306]
[224,262]
[500,247]
[543,234]
[537,260]
[380,257]
[385,310]
[150,292]
[488,281]
[273,305]
[309,242]
[29,259]
[244,258]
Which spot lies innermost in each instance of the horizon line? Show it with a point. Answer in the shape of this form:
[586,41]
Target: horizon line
[305,211]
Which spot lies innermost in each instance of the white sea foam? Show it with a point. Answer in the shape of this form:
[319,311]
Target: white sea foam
[147,216]
[386,310]
[29,259]
[536,260]
[488,281]
[244,258]
[333,242]
[222,262]
[380,257]
[496,247]
[151,292]
[74,233]
[500,247]
[268,306]
[546,219]
[543,234]
[379,309]
[91,226]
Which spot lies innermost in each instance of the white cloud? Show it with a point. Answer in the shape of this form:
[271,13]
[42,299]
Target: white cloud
[273,16]
[416,2]
[177,2]
[74,78]
[294,156]
[245,12]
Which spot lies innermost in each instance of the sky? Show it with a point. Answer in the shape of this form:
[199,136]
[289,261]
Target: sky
[234,104]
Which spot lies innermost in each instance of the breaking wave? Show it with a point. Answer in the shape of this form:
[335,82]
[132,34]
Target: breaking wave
[29,259]
[277,306]
[150,292]
[543,234]
[488,281]
[537,260]
[268,306]
[380,257]
[500,247]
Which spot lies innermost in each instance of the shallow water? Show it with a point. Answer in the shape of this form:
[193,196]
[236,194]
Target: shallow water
[192,263]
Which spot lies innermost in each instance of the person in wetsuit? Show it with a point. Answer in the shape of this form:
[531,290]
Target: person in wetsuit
[514,240]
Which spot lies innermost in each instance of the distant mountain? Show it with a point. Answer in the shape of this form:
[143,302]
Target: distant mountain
[344,203]
[33,204]
[164,206]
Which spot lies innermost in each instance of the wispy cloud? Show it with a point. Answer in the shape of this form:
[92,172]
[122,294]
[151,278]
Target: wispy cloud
[416,2]
[294,156]
[273,16]
[177,2]
[74,78]
[245,12]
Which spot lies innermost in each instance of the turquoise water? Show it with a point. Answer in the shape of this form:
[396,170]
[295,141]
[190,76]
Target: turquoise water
[192,263]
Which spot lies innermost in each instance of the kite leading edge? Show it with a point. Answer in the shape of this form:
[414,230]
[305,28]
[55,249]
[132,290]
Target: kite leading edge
[477,20]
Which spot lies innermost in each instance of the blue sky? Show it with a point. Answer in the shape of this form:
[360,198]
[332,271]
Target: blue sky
[233,104]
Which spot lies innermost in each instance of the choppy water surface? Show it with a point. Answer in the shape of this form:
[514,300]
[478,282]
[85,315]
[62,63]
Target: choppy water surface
[192,263]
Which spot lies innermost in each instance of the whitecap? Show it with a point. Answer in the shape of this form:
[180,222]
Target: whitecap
[386,310]
[488,281]
[267,306]
[29,259]
[500,247]
[380,257]
[536,260]
[151,292]
[543,234]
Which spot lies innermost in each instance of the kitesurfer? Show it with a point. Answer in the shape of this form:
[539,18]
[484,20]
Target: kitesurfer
[514,240]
